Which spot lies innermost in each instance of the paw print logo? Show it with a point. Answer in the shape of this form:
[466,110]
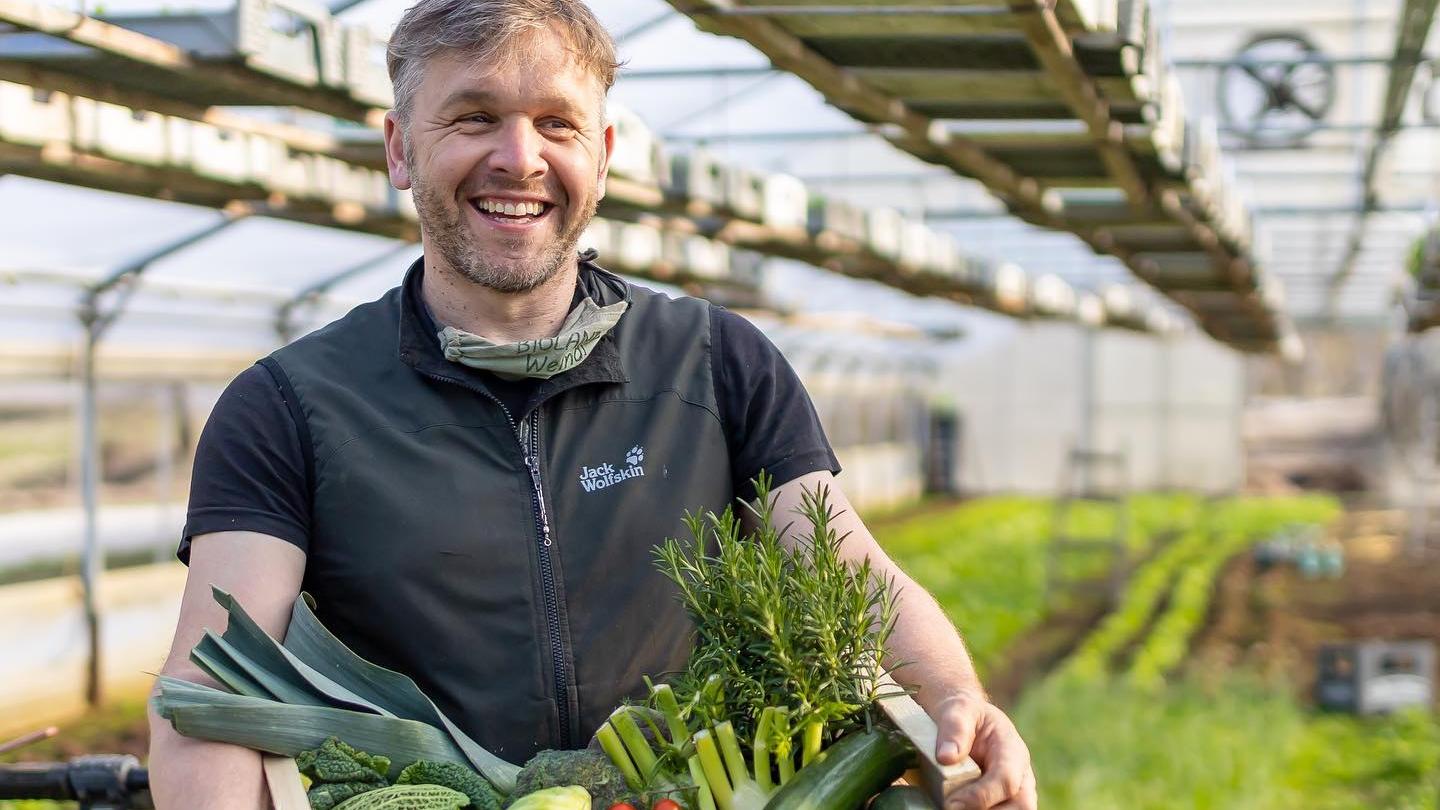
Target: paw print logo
[635,456]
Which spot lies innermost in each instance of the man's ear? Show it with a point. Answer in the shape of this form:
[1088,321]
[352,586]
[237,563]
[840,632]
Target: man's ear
[395,151]
[607,141]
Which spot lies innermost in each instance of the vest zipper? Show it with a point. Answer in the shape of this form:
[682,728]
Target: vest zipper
[528,435]
[530,440]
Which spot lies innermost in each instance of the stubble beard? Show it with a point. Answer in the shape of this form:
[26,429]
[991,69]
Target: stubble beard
[444,228]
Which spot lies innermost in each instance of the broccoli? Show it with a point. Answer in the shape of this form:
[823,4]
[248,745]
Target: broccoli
[338,772]
[483,795]
[591,770]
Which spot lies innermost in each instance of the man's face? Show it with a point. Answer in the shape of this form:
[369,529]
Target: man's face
[506,162]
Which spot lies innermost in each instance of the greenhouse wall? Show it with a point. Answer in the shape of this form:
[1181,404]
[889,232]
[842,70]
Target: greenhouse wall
[1173,407]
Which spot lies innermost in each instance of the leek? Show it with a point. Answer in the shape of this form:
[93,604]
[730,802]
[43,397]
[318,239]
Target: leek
[288,698]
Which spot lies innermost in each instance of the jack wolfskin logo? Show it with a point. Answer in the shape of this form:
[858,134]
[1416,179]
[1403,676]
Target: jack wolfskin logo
[604,475]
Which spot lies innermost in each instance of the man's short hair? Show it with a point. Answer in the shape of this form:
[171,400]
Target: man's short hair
[484,29]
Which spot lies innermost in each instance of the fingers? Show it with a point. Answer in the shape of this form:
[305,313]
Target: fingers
[1026,800]
[955,721]
[1005,762]
[998,785]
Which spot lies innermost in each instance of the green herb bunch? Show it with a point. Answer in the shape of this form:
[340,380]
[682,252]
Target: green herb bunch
[797,629]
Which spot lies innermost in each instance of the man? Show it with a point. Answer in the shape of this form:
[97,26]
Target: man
[469,473]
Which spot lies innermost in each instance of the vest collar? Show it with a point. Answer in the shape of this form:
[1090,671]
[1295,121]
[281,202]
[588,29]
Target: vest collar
[420,349]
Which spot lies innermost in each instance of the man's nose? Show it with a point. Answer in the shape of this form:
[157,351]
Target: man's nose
[517,151]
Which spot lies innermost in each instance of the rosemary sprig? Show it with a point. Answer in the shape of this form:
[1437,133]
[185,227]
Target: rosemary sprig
[800,630]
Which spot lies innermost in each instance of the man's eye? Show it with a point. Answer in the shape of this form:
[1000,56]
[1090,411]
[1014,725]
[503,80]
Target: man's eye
[479,118]
[556,124]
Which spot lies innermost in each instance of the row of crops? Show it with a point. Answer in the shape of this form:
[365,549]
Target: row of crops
[956,555]
[1123,722]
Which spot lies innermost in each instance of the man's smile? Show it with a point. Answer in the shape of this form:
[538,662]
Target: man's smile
[511,213]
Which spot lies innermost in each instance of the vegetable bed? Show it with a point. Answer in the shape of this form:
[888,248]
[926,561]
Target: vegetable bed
[955,555]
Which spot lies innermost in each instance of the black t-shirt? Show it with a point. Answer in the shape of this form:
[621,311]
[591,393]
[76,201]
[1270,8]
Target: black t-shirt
[250,470]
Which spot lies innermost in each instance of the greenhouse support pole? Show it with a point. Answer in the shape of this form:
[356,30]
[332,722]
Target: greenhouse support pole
[1165,400]
[97,321]
[1087,401]
[165,449]
[89,484]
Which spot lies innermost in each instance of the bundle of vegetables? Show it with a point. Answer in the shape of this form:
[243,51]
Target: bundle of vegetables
[774,706]
[289,698]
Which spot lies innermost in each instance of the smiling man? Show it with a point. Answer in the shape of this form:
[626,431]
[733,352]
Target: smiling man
[470,473]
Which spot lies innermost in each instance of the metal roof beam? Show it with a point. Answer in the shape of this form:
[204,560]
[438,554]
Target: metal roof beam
[645,26]
[878,177]
[1056,53]
[713,72]
[285,315]
[1328,128]
[778,137]
[719,103]
[1416,19]
[1344,61]
[89,311]
[841,88]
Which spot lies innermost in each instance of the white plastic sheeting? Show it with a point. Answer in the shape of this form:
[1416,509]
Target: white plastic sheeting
[1173,407]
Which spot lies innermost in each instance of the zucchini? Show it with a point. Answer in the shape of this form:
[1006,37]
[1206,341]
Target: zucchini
[902,797]
[853,769]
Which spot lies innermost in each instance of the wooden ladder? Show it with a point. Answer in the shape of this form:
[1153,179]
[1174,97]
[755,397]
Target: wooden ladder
[1098,477]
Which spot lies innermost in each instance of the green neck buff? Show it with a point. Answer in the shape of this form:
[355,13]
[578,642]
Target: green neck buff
[540,358]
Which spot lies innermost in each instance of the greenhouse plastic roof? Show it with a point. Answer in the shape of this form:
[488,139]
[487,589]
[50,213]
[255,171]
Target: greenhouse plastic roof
[226,294]
[243,273]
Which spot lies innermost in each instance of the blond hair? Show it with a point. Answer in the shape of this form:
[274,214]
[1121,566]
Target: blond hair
[485,29]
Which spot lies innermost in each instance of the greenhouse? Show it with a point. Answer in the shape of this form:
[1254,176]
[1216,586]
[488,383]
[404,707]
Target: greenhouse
[1117,319]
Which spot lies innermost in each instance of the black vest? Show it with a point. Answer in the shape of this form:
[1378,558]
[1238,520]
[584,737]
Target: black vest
[503,560]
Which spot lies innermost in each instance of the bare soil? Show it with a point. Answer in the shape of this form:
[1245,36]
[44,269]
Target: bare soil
[1042,648]
[1276,620]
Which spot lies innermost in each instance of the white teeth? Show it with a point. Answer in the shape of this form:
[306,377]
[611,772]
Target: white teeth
[512,208]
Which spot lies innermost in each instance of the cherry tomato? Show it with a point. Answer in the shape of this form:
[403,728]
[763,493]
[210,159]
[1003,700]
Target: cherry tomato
[666,804]
[622,806]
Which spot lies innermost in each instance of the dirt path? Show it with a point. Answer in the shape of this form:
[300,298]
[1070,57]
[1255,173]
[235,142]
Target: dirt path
[1041,649]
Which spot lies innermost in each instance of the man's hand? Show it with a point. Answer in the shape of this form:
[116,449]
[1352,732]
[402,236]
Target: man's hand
[970,724]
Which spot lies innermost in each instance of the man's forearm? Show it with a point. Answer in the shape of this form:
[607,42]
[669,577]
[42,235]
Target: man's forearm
[937,663]
[187,773]
[935,658]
